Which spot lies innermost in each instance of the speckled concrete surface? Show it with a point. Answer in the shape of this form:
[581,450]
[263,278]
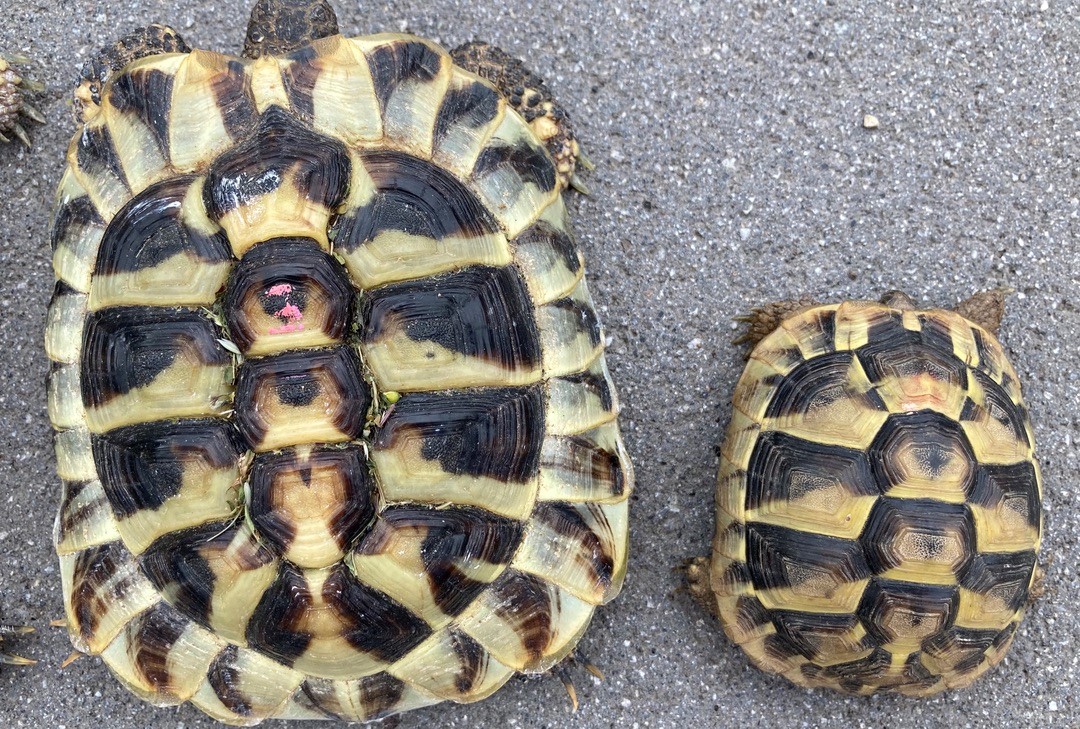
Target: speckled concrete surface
[733,168]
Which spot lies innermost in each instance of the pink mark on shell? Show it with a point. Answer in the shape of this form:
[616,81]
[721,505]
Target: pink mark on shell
[289,311]
[287,329]
[279,290]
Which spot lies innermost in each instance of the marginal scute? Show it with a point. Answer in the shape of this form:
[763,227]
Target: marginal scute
[410,76]
[590,466]
[366,699]
[243,687]
[470,112]
[94,159]
[335,90]
[515,175]
[103,591]
[581,401]
[162,656]
[77,229]
[575,546]
[548,257]
[570,333]
[85,519]
[452,665]
[212,108]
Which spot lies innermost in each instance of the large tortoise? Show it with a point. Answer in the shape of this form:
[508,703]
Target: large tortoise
[332,415]
[879,507]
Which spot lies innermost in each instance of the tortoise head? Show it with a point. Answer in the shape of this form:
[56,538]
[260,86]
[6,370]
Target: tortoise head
[898,300]
[277,27]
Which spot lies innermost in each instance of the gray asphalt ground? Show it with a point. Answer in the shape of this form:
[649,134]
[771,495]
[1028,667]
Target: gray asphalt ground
[733,167]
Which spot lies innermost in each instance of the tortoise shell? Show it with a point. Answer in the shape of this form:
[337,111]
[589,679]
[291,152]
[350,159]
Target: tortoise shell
[879,503]
[332,415]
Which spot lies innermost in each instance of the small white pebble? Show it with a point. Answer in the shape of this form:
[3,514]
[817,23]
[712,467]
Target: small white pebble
[870,121]
[1053,706]
[694,343]
[744,233]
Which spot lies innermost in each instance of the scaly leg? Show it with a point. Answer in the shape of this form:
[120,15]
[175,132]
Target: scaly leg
[149,41]
[530,96]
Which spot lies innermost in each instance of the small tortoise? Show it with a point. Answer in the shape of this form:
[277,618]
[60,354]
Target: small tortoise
[879,503]
[333,420]
[13,105]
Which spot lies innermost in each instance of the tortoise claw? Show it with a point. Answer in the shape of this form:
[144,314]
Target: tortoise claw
[8,658]
[72,657]
[33,113]
[563,675]
[577,183]
[22,135]
[584,161]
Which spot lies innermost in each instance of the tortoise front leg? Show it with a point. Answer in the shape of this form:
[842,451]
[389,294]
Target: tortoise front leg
[13,106]
[149,41]
[530,96]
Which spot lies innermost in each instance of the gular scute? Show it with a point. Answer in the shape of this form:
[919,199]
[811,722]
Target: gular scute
[881,502]
[336,430]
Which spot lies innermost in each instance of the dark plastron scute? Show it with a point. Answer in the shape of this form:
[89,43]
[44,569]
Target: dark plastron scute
[863,496]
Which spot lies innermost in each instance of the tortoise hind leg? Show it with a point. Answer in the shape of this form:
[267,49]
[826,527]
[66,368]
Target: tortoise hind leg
[764,320]
[530,96]
[149,41]
[986,308]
